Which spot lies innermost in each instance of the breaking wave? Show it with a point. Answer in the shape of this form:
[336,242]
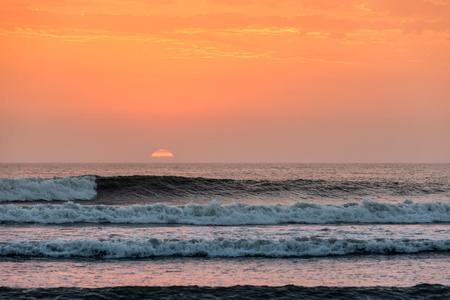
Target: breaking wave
[162,187]
[35,188]
[220,247]
[214,213]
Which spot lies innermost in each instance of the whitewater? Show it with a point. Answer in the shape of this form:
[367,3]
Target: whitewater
[36,188]
[221,247]
[235,214]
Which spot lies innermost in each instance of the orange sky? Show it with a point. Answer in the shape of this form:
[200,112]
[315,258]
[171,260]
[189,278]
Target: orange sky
[225,81]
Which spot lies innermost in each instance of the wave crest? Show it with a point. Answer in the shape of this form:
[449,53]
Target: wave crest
[35,188]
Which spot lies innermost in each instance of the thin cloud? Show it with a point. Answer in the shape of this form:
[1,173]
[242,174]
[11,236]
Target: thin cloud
[231,2]
[410,8]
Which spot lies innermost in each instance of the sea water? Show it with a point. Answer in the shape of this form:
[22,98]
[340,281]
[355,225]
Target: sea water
[225,231]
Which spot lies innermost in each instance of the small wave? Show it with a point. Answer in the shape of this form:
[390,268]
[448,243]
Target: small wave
[67,188]
[221,247]
[214,213]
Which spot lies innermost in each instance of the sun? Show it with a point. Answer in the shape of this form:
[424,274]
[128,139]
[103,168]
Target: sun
[162,153]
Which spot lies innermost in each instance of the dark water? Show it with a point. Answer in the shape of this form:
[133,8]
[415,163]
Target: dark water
[160,187]
[423,291]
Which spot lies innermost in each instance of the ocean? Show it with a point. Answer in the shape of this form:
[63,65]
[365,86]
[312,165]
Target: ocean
[224,231]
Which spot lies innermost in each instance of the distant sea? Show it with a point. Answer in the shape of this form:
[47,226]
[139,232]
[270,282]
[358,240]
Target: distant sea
[224,231]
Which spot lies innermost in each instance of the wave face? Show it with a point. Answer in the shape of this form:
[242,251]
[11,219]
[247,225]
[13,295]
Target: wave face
[422,291]
[67,188]
[220,247]
[175,186]
[214,213]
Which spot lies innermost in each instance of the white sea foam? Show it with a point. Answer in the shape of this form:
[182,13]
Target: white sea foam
[236,214]
[67,188]
[221,247]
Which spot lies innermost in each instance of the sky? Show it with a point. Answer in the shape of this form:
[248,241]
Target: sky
[225,81]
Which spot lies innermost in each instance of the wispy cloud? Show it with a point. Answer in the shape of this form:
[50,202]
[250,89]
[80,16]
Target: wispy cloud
[271,36]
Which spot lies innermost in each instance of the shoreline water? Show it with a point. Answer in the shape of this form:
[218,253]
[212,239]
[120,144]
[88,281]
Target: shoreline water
[422,291]
[395,270]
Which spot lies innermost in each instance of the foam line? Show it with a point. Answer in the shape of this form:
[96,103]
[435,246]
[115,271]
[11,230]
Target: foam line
[214,213]
[221,247]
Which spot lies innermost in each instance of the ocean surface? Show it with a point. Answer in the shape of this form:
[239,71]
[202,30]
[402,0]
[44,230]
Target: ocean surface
[224,231]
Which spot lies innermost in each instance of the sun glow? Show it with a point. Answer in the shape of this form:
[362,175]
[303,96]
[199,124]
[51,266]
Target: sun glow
[224,81]
[162,153]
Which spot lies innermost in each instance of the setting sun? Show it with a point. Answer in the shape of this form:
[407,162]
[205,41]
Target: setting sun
[162,153]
